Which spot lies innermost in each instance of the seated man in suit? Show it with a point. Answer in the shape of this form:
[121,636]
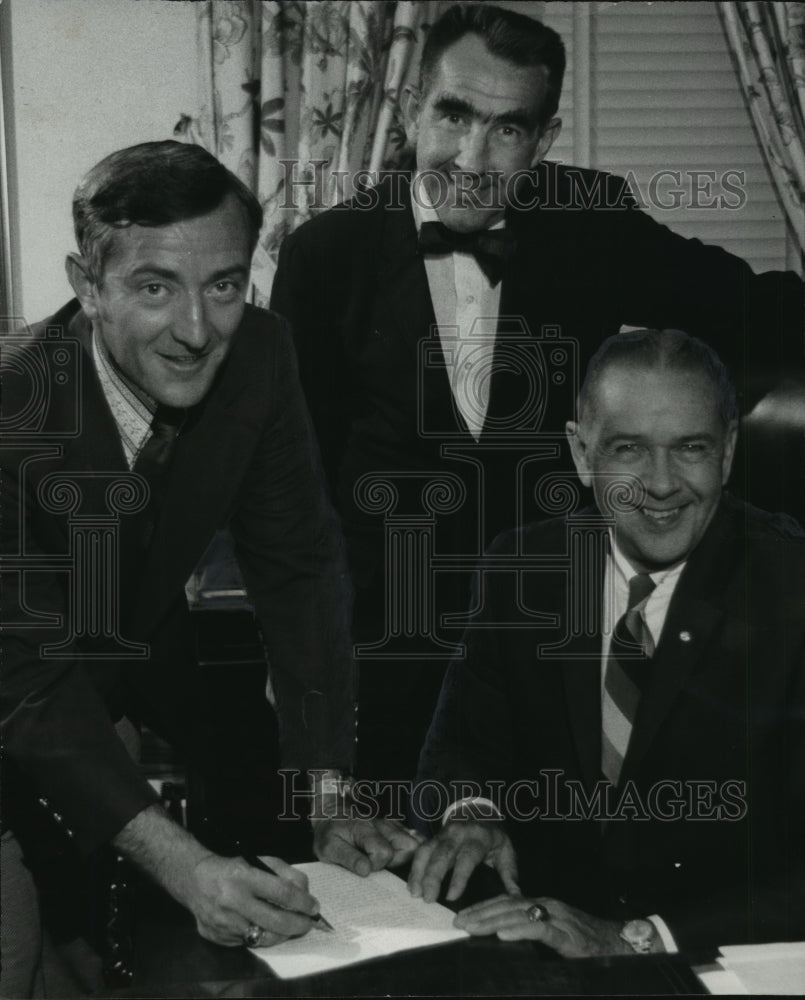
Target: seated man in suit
[625,739]
[149,411]
[441,318]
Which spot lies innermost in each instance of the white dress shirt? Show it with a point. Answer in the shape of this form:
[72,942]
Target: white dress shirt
[466,306]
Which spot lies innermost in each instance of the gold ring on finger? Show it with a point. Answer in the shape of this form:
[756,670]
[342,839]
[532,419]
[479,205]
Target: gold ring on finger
[537,913]
[252,936]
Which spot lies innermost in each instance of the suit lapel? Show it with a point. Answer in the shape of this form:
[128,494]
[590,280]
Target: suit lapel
[582,681]
[512,386]
[205,472]
[403,305]
[698,608]
[103,453]
[99,439]
[688,627]
[403,300]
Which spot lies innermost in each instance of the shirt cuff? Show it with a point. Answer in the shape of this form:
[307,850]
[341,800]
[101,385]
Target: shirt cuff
[666,936]
[474,800]
[329,791]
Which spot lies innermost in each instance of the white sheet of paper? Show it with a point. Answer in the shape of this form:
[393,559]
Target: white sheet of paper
[767,969]
[372,916]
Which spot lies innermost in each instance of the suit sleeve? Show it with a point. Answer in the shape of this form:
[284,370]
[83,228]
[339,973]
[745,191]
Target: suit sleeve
[292,555]
[309,290]
[755,322]
[469,741]
[56,728]
[770,905]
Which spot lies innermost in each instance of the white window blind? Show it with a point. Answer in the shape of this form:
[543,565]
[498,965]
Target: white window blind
[663,96]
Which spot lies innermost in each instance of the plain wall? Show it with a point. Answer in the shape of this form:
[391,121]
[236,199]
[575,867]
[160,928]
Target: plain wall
[87,77]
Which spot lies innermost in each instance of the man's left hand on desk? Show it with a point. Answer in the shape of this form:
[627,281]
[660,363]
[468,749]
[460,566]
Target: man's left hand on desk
[568,931]
[363,845]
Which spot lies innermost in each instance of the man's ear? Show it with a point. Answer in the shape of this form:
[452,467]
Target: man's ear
[547,138]
[578,449]
[82,283]
[410,107]
[730,439]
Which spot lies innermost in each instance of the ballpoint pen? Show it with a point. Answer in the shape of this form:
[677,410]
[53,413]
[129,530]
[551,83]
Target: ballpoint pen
[251,859]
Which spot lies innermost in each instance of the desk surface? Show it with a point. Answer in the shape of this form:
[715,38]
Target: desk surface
[171,960]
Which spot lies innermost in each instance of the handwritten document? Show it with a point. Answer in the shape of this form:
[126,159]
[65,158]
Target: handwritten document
[372,916]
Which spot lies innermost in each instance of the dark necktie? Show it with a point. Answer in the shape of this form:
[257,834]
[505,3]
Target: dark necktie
[152,464]
[492,248]
[627,672]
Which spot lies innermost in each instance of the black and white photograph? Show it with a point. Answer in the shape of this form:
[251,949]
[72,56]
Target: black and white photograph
[402,498]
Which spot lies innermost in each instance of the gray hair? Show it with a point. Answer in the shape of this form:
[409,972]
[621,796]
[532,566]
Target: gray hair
[672,350]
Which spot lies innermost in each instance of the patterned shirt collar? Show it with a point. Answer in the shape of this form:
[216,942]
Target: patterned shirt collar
[132,410]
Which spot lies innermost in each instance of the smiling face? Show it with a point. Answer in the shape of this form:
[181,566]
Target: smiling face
[475,127]
[170,300]
[663,427]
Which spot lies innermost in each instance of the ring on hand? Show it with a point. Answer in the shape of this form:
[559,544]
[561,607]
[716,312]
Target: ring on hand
[537,913]
[252,936]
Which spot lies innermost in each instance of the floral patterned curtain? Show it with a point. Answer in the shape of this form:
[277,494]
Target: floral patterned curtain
[297,97]
[768,43]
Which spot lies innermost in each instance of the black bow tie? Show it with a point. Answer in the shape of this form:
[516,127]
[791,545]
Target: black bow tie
[492,248]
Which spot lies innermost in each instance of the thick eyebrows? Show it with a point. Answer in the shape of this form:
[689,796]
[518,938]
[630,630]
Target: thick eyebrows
[695,437]
[450,104]
[168,274]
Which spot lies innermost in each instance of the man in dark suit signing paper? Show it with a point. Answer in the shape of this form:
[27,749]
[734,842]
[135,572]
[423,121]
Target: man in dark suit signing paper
[625,739]
[150,411]
[442,320]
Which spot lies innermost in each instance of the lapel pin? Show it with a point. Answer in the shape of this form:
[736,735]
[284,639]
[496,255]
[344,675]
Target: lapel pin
[685,636]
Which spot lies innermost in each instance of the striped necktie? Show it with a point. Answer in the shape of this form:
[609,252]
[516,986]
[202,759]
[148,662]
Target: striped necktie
[627,672]
[152,464]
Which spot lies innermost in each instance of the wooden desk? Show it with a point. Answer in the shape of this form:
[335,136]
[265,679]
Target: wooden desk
[171,960]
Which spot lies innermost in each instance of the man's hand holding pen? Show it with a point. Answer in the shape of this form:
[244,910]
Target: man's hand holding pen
[234,899]
[339,837]
[254,934]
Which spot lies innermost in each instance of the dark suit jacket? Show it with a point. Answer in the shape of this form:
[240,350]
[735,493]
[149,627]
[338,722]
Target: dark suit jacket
[722,723]
[245,458]
[355,289]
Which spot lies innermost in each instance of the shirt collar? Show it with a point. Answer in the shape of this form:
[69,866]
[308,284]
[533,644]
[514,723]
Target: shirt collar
[421,204]
[116,376]
[132,410]
[624,570]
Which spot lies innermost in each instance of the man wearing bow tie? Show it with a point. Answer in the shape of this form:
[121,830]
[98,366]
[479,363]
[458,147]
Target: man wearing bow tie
[624,740]
[441,321]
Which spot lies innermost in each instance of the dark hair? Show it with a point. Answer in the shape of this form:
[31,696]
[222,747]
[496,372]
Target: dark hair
[153,184]
[672,350]
[521,40]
